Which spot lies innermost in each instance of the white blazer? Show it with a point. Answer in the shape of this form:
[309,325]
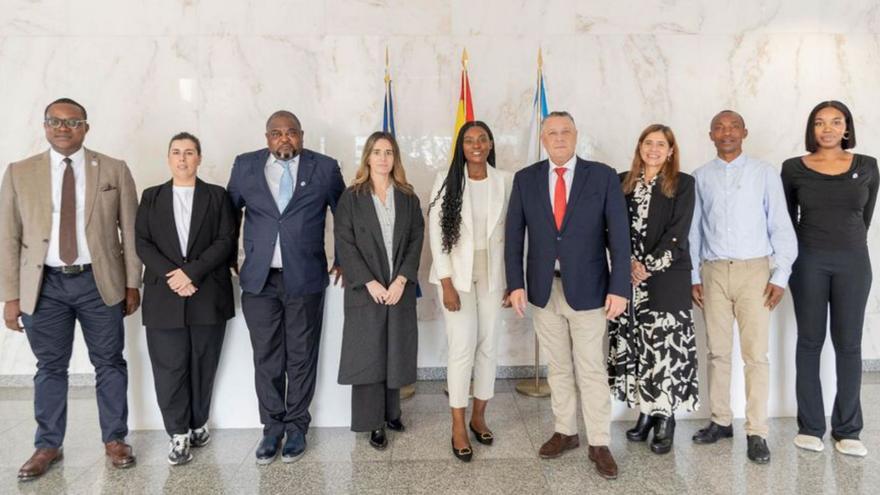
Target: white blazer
[459,263]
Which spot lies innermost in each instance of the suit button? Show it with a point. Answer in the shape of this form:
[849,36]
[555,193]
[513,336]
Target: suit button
[39,266]
[559,238]
[46,240]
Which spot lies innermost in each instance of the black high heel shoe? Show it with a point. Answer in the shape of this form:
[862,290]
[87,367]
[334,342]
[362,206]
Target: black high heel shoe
[640,432]
[664,433]
[485,438]
[464,455]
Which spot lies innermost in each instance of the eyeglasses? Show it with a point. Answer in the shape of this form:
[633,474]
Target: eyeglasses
[290,133]
[56,123]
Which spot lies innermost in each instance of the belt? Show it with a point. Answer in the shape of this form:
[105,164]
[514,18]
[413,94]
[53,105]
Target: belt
[557,274]
[70,269]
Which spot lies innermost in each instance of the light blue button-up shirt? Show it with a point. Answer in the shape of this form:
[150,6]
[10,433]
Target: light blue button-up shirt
[740,214]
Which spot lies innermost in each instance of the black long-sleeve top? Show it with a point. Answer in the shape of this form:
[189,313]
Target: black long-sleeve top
[831,211]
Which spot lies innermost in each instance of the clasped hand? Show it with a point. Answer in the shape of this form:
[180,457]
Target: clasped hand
[389,296]
[638,272]
[180,283]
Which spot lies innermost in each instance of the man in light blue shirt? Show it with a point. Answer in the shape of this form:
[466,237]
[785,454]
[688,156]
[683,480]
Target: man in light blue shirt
[740,222]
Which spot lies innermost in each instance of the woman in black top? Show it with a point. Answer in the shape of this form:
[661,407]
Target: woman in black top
[831,195]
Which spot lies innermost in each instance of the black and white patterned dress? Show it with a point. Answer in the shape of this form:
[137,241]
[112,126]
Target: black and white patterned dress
[652,362]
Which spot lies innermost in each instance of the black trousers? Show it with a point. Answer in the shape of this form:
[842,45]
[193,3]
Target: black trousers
[184,364]
[372,405]
[285,334]
[64,300]
[839,281]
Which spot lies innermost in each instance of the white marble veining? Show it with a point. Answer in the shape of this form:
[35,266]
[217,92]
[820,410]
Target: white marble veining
[146,70]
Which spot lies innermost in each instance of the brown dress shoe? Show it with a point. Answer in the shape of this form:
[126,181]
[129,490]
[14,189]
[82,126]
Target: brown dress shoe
[604,462]
[558,444]
[39,463]
[119,453]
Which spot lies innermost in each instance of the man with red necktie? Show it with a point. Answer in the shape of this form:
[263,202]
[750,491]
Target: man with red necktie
[573,210]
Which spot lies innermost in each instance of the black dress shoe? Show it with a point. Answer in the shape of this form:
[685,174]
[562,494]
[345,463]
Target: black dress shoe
[395,425]
[464,455]
[485,438]
[713,433]
[664,432]
[268,449]
[294,446]
[378,439]
[758,451]
[640,432]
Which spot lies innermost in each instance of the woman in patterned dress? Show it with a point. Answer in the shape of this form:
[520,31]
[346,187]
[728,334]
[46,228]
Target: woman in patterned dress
[652,362]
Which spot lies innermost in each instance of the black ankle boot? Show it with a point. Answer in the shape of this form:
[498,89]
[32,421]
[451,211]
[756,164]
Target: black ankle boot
[643,427]
[664,433]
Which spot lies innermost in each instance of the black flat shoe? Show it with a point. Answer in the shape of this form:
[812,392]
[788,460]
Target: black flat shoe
[268,449]
[378,439]
[464,454]
[758,452]
[713,433]
[395,425]
[664,432]
[642,429]
[485,438]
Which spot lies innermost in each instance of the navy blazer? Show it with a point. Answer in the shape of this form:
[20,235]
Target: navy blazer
[595,219]
[301,225]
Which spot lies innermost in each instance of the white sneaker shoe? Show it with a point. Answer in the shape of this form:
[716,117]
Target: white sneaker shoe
[851,447]
[179,452]
[809,442]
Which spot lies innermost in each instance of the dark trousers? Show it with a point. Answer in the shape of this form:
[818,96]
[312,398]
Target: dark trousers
[372,405]
[184,364]
[285,334]
[63,300]
[839,280]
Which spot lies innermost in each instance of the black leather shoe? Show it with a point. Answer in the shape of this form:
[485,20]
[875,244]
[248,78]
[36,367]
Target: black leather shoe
[713,433]
[464,455]
[640,432]
[378,439]
[294,446]
[664,433]
[395,425]
[758,451]
[485,438]
[268,449]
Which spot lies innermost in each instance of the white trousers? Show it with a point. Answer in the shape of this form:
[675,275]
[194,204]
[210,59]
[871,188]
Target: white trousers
[472,338]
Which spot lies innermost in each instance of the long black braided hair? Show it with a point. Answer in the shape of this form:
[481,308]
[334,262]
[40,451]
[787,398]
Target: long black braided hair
[452,189]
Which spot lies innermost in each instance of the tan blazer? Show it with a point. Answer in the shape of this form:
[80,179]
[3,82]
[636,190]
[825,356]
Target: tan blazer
[26,222]
[458,264]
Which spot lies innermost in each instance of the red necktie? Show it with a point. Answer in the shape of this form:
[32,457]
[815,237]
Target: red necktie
[559,197]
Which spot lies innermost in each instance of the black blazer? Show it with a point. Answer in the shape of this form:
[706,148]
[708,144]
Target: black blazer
[669,223]
[206,262]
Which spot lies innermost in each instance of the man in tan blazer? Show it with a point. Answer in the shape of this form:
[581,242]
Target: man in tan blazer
[67,247]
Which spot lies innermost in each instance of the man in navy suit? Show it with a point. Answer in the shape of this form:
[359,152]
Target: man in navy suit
[573,210]
[285,191]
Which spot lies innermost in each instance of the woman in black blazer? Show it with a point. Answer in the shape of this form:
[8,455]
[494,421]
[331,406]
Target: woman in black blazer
[185,235]
[652,361]
[379,231]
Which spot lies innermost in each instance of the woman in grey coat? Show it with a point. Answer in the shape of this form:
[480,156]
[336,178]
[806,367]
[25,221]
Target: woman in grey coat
[379,230]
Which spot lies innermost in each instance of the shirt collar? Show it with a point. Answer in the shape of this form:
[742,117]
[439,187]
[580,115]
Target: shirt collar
[292,162]
[77,158]
[569,165]
[736,163]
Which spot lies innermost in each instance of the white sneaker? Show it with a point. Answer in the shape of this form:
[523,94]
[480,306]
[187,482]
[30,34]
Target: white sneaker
[851,447]
[809,442]
[179,452]
[200,437]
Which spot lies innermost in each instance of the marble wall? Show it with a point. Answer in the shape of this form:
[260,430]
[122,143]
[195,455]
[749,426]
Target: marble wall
[147,69]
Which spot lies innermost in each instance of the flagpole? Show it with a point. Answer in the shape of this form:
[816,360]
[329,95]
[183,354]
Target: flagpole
[536,386]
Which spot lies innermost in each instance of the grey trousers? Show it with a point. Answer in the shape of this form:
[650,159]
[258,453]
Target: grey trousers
[372,405]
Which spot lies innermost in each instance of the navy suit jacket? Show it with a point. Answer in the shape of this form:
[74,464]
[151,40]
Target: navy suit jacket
[595,219]
[301,225]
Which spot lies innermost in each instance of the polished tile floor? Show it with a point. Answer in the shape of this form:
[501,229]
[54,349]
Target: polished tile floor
[420,461]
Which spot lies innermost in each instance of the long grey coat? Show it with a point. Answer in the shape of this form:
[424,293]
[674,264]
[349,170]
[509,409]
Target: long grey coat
[379,343]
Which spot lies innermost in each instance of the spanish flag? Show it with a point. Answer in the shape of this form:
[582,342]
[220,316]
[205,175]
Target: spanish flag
[465,111]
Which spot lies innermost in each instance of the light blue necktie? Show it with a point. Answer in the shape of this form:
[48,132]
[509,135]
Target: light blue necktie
[285,190]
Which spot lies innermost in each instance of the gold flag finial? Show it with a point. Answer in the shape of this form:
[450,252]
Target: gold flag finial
[464,58]
[540,59]
[387,70]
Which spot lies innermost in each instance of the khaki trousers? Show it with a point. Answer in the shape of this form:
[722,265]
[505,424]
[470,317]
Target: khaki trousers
[733,290]
[573,342]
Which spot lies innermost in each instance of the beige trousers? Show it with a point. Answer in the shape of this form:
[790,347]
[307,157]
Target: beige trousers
[734,291]
[573,342]
[472,338]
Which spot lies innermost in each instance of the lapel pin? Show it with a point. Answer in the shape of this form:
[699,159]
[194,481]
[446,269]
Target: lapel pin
[302,183]
[855,175]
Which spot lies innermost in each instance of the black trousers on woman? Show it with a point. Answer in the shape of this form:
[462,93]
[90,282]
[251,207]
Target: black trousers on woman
[372,405]
[839,281]
[184,364]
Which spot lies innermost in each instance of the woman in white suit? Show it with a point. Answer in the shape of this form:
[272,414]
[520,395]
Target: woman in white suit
[466,222]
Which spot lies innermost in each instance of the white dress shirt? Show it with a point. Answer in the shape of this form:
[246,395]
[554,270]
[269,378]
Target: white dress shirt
[479,196]
[274,171]
[183,202]
[78,162]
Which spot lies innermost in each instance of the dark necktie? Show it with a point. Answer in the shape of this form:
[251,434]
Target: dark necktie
[67,229]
